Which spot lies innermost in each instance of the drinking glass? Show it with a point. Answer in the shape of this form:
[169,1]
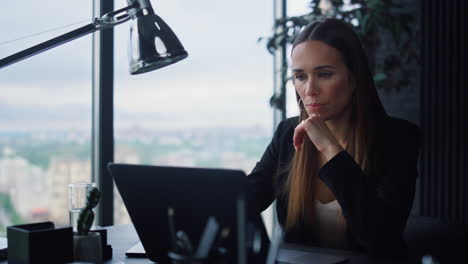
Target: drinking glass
[77,193]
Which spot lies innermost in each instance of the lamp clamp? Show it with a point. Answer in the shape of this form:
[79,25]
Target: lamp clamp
[114,18]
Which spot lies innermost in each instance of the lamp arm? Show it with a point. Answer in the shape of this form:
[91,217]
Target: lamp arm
[48,45]
[108,20]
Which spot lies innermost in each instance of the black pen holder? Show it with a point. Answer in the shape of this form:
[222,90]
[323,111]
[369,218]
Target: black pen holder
[106,249]
[39,243]
[184,259]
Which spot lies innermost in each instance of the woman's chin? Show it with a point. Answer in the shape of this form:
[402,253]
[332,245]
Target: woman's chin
[322,115]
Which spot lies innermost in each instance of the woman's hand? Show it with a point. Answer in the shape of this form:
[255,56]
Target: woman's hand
[319,134]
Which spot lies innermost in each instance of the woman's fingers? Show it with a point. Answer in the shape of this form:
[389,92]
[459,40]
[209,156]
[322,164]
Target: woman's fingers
[309,126]
[314,117]
[298,137]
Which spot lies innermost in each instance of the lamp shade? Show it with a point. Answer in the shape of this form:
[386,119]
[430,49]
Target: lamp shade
[152,44]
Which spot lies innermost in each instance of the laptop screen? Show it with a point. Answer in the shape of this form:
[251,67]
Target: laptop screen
[194,195]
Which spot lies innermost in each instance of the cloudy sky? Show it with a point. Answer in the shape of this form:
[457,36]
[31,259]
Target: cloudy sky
[225,81]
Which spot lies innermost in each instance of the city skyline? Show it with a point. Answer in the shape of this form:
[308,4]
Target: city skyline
[41,166]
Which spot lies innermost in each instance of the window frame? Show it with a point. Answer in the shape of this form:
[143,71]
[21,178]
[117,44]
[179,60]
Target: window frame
[103,114]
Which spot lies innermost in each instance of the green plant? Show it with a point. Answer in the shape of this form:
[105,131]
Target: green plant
[9,210]
[386,28]
[86,217]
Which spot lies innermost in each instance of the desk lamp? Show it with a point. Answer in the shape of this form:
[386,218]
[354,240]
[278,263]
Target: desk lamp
[152,43]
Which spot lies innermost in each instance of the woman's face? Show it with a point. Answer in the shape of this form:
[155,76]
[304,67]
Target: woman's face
[321,79]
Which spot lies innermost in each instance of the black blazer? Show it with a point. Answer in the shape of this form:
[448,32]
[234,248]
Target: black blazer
[375,203]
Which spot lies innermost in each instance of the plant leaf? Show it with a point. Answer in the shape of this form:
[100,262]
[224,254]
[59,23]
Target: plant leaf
[380,76]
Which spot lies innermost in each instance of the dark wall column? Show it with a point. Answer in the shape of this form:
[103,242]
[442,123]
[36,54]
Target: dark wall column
[444,102]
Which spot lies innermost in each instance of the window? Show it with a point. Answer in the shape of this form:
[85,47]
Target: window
[45,107]
[209,110]
[294,8]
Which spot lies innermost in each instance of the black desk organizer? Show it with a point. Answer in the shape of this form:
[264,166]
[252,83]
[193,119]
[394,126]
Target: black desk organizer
[39,243]
[106,249]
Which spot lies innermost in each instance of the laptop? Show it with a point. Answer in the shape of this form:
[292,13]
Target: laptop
[194,194]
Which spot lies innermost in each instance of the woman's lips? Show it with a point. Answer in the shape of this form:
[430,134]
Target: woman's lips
[315,106]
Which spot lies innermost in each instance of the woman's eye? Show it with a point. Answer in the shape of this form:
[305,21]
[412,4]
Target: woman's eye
[300,77]
[325,74]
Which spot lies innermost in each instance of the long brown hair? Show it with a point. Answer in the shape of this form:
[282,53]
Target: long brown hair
[366,109]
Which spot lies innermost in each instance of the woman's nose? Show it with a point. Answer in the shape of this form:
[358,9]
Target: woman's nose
[312,88]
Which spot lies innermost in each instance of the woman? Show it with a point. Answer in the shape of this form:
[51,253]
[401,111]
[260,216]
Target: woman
[343,172]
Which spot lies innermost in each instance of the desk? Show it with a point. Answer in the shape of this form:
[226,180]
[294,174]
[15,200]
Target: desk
[122,237]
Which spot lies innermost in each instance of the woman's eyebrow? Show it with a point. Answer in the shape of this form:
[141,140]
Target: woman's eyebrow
[321,67]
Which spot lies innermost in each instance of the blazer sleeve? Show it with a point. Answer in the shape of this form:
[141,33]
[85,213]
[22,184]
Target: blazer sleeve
[261,179]
[376,207]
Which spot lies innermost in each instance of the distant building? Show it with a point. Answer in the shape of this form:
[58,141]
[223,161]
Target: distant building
[186,158]
[63,171]
[25,184]
[237,160]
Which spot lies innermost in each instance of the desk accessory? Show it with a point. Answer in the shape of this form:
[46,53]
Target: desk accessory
[3,248]
[86,217]
[170,216]
[77,193]
[428,259]
[88,246]
[183,244]
[275,245]
[180,241]
[183,252]
[106,248]
[219,254]
[207,239]
[39,243]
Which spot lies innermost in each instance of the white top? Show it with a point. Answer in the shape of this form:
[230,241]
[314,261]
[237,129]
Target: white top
[329,226]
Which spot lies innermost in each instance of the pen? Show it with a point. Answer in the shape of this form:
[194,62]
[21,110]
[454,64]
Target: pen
[185,245]
[170,215]
[207,239]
